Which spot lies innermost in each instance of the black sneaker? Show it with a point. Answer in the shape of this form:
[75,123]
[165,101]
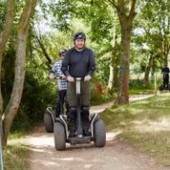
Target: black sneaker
[72,134]
[86,132]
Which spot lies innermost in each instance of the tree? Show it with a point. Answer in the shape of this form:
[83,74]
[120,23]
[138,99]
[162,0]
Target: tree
[126,14]
[3,40]
[14,102]
[153,21]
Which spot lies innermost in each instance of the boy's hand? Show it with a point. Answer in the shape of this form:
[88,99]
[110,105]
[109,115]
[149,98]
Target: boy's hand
[51,76]
[87,78]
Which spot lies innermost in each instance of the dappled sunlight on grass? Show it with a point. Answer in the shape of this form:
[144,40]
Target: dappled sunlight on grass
[112,135]
[15,154]
[152,126]
[145,124]
[141,102]
[15,157]
[136,111]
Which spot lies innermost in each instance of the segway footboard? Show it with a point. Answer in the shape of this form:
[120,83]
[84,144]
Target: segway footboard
[79,140]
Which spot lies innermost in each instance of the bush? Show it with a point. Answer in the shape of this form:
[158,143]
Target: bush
[36,97]
[99,94]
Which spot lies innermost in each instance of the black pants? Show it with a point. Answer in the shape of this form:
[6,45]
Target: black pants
[165,80]
[84,118]
[85,104]
[61,100]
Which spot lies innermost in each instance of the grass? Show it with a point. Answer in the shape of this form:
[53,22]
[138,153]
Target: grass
[15,154]
[100,99]
[144,124]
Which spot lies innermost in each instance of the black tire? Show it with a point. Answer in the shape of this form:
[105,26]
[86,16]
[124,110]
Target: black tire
[48,122]
[99,133]
[59,136]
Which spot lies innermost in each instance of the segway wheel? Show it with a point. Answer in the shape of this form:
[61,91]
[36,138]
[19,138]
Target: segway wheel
[59,136]
[99,133]
[48,122]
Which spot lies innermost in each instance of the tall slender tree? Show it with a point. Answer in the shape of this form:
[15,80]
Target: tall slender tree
[14,102]
[3,40]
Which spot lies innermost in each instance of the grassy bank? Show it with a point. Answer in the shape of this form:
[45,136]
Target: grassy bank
[15,154]
[145,124]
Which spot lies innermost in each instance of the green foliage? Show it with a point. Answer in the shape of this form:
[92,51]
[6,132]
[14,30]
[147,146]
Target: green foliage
[99,93]
[2,14]
[152,32]
[8,73]
[38,91]
[37,95]
[100,22]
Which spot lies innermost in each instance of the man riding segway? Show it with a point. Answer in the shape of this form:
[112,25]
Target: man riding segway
[79,62]
[77,128]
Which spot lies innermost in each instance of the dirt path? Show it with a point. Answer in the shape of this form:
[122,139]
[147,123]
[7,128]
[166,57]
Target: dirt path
[116,155]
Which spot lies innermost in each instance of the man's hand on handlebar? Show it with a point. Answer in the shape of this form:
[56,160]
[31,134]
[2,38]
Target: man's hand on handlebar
[70,79]
[87,78]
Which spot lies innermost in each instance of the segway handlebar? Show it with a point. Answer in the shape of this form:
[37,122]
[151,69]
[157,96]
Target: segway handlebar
[78,85]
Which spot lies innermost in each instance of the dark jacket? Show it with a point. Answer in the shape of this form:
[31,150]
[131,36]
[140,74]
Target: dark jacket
[79,63]
[165,70]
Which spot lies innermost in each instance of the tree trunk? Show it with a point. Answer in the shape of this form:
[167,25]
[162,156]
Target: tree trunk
[16,94]
[3,40]
[126,22]
[147,70]
[126,14]
[123,96]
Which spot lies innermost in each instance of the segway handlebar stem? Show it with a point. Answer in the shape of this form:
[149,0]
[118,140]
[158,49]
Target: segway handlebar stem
[78,85]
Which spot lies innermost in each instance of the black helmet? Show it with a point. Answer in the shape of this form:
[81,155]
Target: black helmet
[79,35]
[62,51]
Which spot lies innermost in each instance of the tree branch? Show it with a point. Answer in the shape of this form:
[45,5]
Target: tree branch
[44,51]
[8,24]
[132,10]
[112,2]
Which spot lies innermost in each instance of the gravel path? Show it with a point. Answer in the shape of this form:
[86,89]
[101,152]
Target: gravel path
[116,155]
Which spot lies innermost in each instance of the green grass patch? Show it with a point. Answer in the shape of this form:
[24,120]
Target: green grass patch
[15,154]
[145,124]
[100,99]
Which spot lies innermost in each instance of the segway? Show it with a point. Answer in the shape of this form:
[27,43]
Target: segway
[49,119]
[61,130]
[50,116]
